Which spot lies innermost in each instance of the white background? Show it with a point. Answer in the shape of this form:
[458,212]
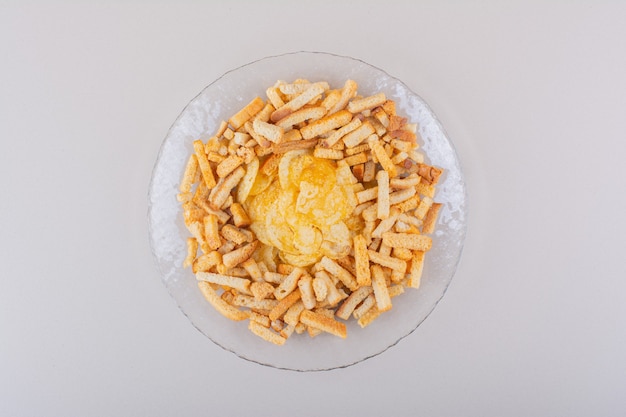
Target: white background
[533,94]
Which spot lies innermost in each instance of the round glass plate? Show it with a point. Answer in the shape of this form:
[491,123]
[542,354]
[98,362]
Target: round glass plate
[168,234]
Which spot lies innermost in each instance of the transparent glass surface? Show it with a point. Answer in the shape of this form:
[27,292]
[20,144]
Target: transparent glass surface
[201,118]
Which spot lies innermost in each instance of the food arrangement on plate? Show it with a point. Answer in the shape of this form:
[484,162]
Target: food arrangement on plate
[307,208]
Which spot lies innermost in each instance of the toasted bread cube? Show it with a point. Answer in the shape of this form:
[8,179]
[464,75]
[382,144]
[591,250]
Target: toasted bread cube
[246,113]
[379,285]
[299,101]
[192,250]
[347,93]
[366,103]
[324,323]
[219,304]
[242,285]
[265,333]
[240,217]
[331,140]
[387,261]
[350,303]
[417,266]
[299,116]
[283,305]
[237,256]
[361,260]
[228,165]
[431,218]
[408,240]
[326,124]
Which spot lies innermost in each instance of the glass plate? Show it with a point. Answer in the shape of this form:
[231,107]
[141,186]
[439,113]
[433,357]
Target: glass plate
[202,116]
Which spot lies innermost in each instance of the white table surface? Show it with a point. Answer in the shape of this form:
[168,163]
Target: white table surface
[533,96]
